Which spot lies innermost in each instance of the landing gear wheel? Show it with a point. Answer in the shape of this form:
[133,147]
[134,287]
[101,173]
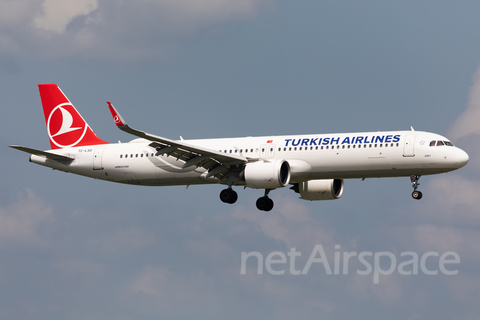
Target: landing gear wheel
[264,203]
[417,195]
[228,196]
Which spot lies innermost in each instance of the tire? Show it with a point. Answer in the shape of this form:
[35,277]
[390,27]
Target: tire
[417,195]
[269,204]
[264,203]
[228,196]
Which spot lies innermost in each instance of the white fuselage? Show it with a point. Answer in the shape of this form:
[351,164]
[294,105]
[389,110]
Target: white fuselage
[315,156]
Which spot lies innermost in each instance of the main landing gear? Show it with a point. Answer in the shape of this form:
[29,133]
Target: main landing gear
[263,203]
[228,195]
[417,195]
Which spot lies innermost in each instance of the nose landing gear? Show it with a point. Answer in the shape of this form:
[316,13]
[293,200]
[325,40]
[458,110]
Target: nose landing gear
[417,195]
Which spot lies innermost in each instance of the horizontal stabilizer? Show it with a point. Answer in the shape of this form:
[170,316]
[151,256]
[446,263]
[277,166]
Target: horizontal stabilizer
[46,154]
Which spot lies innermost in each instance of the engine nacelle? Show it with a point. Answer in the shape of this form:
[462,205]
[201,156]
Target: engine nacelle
[267,175]
[321,189]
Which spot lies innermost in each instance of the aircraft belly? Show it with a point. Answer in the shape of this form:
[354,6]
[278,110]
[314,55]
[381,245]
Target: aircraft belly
[371,165]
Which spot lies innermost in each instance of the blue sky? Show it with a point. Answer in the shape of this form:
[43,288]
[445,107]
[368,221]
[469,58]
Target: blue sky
[77,248]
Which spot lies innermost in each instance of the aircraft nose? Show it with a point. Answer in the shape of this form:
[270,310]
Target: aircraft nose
[461,158]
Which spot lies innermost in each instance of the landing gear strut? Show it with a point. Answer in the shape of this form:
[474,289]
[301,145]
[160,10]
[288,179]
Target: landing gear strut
[228,195]
[415,194]
[265,203]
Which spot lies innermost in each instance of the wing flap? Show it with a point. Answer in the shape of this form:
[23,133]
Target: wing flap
[209,159]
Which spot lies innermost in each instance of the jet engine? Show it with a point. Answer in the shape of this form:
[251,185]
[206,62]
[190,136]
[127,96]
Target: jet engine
[267,175]
[320,189]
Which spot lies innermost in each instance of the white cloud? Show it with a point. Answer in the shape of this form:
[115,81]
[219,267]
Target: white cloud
[112,29]
[467,123]
[21,220]
[14,12]
[151,280]
[57,14]
[453,199]
[167,292]
[390,289]
[291,224]
[463,241]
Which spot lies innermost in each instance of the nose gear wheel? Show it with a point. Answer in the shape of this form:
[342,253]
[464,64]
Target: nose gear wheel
[417,195]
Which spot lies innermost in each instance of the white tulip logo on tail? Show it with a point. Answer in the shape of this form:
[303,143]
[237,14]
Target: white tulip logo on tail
[63,129]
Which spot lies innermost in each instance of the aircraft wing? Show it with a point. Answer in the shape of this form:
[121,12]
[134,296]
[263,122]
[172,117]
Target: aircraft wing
[46,154]
[215,162]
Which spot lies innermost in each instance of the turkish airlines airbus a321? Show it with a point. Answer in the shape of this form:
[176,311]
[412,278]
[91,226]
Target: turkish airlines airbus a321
[314,164]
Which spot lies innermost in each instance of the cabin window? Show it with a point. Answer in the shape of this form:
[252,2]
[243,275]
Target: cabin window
[141,155]
[131,156]
[121,156]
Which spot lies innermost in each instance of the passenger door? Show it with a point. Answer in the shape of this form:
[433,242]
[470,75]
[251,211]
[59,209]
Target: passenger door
[408,147]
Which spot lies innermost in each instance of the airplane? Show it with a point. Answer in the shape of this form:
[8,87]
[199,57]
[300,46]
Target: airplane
[315,165]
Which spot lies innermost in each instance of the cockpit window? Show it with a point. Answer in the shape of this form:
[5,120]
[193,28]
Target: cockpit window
[440,143]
